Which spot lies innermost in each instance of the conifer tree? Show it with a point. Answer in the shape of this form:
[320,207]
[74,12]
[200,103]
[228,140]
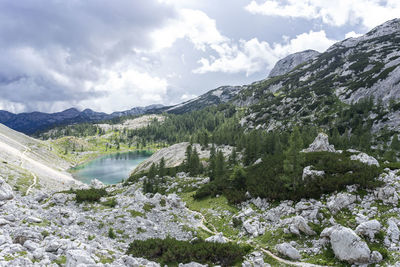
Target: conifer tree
[161,168]
[395,145]
[292,164]
[212,162]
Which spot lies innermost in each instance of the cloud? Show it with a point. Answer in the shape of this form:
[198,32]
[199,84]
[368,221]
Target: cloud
[194,25]
[352,34]
[253,55]
[129,88]
[55,54]
[337,13]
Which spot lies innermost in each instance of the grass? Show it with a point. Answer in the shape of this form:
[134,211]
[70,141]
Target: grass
[61,261]
[135,213]
[147,207]
[219,204]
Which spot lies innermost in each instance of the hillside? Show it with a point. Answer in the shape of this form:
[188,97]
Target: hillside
[25,161]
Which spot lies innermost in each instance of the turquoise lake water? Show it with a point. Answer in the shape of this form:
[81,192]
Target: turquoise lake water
[110,169]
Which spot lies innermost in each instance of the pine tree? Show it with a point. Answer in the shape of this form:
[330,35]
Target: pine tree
[161,168]
[212,162]
[395,145]
[152,171]
[194,164]
[188,158]
[220,167]
[294,159]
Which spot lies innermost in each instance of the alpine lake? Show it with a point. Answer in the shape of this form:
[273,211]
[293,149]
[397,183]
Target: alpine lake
[109,169]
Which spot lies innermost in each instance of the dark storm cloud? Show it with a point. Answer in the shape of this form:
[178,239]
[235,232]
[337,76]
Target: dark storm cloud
[50,50]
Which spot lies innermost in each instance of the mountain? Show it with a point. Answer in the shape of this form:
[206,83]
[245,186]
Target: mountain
[318,90]
[32,122]
[288,63]
[217,96]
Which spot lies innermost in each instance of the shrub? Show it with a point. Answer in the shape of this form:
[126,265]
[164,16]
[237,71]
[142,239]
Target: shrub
[170,251]
[112,202]
[89,195]
[111,233]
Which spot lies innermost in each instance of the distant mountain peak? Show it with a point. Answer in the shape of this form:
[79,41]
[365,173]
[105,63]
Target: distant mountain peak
[291,61]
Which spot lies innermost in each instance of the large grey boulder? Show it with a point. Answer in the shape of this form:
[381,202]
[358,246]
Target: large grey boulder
[76,257]
[288,250]
[364,158]
[320,143]
[253,228]
[255,259]
[392,232]
[347,245]
[300,225]
[369,228]
[340,201]
[218,238]
[6,192]
[288,63]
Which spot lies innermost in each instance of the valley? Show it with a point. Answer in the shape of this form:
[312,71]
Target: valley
[299,169]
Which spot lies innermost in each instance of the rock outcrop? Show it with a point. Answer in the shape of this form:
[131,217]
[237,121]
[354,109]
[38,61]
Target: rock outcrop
[347,245]
[288,63]
[364,158]
[320,143]
[288,250]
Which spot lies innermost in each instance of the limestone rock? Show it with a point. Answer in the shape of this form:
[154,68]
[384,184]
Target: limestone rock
[309,173]
[299,224]
[340,201]
[369,228]
[320,143]
[6,192]
[364,158]
[288,250]
[288,63]
[218,238]
[96,184]
[76,257]
[347,245]
[376,257]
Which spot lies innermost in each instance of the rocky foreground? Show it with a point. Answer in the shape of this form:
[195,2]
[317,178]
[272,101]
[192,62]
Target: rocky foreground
[354,226]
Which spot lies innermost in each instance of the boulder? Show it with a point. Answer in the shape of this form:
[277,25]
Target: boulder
[369,228]
[309,173]
[76,257]
[96,184]
[33,219]
[376,257]
[340,201]
[255,259]
[218,238]
[364,158]
[192,264]
[288,250]
[299,224]
[6,192]
[30,245]
[392,232]
[253,228]
[347,245]
[388,194]
[320,143]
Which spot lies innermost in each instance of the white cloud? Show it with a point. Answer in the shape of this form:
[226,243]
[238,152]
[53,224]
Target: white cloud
[253,56]
[352,34]
[126,89]
[338,13]
[194,25]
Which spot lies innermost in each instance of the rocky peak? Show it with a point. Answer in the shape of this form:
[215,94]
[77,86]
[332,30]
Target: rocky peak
[320,143]
[288,63]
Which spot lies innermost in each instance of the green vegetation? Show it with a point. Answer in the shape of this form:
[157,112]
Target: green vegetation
[170,251]
[89,195]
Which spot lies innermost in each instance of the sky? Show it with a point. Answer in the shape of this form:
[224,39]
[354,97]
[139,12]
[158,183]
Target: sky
[114,55]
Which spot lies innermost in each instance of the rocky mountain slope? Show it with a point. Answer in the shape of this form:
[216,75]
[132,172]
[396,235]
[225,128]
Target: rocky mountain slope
[288,63]
[30,123]
[25,161]
[315,91]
